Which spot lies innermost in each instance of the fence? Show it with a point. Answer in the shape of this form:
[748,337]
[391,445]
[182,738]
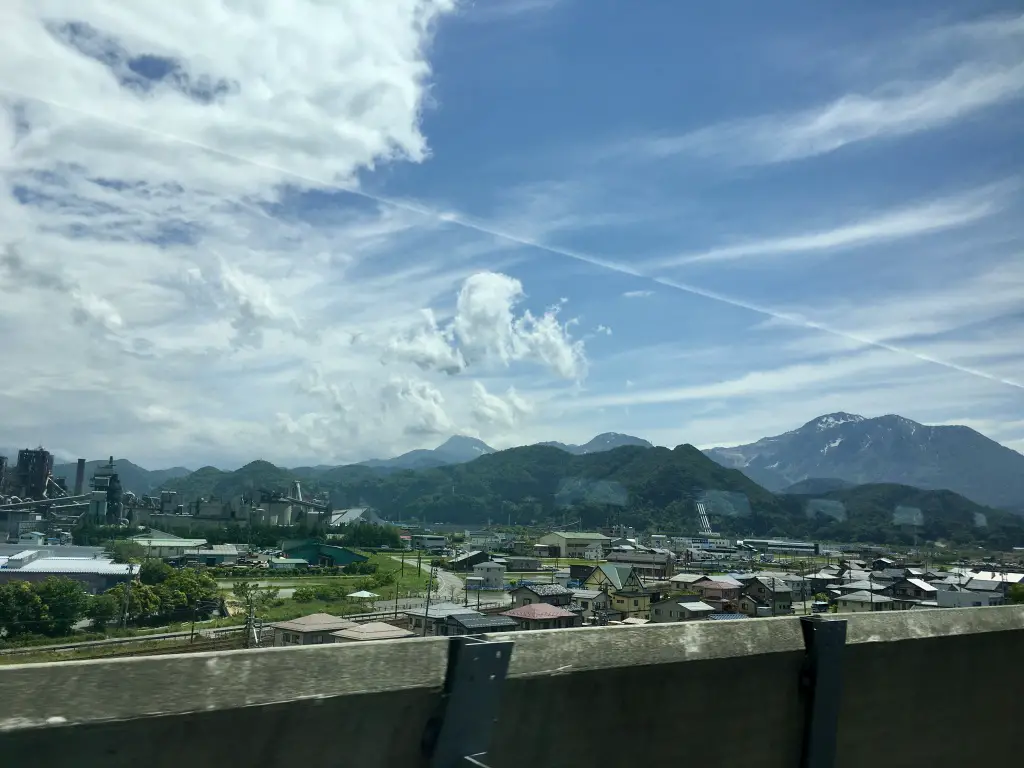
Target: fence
[904,689]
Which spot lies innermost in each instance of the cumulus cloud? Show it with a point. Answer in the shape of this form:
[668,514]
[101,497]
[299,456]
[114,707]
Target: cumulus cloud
[487,331]
[504,410]
[421,405]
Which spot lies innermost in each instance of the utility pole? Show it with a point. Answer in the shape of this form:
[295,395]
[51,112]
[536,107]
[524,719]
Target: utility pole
[426,610]
[127,602]
[396,596]
[192,633]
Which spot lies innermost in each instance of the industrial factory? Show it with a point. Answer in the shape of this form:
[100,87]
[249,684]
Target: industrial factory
[36,507]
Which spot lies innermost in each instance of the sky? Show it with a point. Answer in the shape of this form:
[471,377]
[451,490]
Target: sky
[316,232]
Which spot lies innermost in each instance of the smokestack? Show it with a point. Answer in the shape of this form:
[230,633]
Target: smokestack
[80,477]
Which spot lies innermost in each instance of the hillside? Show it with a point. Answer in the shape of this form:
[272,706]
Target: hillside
[650,488]
[887,449]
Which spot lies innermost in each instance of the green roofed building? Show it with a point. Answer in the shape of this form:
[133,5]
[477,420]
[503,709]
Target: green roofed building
[326,555]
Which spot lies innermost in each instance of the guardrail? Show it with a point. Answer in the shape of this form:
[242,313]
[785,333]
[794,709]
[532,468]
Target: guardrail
[914,688]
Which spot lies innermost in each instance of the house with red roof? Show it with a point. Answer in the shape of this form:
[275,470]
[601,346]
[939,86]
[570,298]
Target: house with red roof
[544,616]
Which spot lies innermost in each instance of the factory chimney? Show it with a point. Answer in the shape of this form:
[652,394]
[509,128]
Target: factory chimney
[80,477]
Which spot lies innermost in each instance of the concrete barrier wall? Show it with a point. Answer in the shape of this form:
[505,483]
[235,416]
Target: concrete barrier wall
[920,688]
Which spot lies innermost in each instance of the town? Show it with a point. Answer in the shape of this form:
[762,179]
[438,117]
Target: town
[369,579]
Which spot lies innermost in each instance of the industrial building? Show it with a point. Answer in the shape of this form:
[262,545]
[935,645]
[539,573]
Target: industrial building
[95,574]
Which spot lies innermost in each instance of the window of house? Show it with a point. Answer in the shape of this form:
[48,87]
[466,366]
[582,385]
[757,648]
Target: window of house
[585,604]
[636,603]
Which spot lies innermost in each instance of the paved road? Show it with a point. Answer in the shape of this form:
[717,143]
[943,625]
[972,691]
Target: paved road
[447,586]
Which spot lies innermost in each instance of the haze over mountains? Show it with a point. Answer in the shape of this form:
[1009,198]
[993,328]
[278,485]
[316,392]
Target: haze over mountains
[887,449]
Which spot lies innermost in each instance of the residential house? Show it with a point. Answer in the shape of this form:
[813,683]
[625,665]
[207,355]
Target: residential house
[613,578]
[680,608]
[882,563]
[861,602]
[959,597]
[591,602]
[544,616]
[632,604]
[429,542]
[491,574]
[685,580]
[522,564]
[869,585]
[371,630]
[552,594]
[562,576]
[467,560]
[652,563]
[477,624]
[908,592]
[570,544]
[723,595]
[315,629]
[435,618]
[995,590]
[593,551]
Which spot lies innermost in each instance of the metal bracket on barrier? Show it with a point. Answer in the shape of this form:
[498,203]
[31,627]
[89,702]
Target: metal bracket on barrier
[460,733]
[821,682]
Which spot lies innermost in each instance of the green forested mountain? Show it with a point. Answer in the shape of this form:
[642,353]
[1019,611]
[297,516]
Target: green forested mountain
[645,487]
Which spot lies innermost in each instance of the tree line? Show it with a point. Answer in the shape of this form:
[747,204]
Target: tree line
[52,608]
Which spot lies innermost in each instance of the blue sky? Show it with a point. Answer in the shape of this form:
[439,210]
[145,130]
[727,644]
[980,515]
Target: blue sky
[318,234]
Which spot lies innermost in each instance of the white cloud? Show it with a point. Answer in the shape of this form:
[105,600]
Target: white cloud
[486,332]
[992,73]
[912,221]
[637,294]
[603,329]
[505,411]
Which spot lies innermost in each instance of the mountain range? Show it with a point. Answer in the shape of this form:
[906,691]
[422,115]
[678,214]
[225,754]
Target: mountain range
[649,488]
[830,453]
[852,449]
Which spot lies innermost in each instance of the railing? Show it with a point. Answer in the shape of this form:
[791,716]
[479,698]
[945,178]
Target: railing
[913,688]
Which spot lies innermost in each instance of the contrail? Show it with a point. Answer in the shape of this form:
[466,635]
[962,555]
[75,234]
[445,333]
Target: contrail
[466,222]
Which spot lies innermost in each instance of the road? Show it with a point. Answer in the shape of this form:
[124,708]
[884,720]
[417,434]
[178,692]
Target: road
[447,586]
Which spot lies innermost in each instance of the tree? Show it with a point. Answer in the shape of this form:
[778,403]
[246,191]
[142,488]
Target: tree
[154,572]
[125,551]
[21,609]
[143,605]
[65,602]
[256,599]
[1016,594]
[186,593]
[102,610]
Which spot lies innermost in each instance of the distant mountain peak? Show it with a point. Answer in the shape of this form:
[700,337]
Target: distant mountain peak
[606,441]
[832,420]
[465,443]
[884,449]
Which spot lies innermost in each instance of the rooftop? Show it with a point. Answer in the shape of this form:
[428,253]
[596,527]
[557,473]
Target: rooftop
[440,610]
[483,622]
[373,630]
[539,611]
[580,536]
[315,622]
[865,597]
[548,590]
